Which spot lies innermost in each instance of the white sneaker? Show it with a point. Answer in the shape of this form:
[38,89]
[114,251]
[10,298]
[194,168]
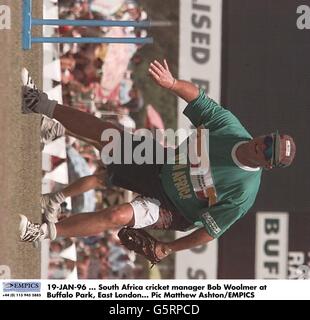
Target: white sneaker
[50,205]
[31,232]
[50,131]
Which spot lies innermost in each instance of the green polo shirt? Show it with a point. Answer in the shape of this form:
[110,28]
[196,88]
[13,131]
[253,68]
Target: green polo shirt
[226,190]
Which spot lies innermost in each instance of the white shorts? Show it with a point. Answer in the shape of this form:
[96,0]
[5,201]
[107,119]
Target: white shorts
[145,210]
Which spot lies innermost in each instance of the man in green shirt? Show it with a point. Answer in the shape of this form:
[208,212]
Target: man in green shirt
[181,196]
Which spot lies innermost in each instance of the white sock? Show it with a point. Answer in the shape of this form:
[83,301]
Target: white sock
[50,231]
[45,105]
[44,228]
[59,197]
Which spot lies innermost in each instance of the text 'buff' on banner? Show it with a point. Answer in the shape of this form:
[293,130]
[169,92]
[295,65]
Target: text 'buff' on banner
[29,22]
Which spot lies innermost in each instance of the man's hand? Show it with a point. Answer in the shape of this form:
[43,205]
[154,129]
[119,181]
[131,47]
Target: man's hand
[162,250]
[163,77]
[161,74]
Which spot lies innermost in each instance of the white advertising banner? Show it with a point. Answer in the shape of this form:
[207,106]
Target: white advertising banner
[200,48]
[271,245]
[199,62]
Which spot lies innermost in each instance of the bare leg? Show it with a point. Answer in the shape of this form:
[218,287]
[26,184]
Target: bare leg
[91,142]
[82,124]
[51,202]
[88,224]
[83,185]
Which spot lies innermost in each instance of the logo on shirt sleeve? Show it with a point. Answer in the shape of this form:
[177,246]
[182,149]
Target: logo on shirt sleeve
[211,222]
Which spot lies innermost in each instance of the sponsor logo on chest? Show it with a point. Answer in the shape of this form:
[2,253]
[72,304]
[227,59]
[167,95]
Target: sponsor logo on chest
[181,182]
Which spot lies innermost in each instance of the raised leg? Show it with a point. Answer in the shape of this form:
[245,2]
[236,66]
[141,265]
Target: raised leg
[78,123]
[89,224]
[94,143]
[81,123]
[83,185]
[50,202]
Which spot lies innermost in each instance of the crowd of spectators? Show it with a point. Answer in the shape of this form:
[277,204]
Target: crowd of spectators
[84,74]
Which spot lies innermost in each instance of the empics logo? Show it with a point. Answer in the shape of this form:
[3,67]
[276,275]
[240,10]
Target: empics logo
[303,21]
[5,17]
[17,286]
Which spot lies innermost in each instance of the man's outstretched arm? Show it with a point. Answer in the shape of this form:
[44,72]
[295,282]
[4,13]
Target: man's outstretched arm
[163,77]
[194,239]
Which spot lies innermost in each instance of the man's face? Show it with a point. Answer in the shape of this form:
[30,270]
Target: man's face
[255,152]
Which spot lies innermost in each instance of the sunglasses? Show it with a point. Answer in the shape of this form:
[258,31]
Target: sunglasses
[269,147]
[271,141]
